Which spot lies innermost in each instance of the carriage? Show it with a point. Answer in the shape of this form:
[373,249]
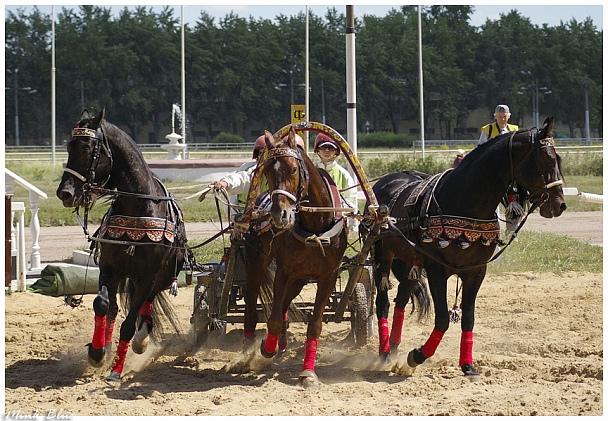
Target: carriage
[219,286]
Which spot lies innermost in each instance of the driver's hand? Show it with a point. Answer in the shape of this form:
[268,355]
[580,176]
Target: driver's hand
[218,185]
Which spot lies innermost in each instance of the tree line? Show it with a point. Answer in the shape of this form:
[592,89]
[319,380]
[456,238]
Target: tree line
[242,73]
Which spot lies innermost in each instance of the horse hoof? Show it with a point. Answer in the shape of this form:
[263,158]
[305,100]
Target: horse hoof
[385,357]
[265,353]
[415,357]
[308,379]
[470,372]
[394,348]
[248,343]
[141,339]
[96,357]
[114,377]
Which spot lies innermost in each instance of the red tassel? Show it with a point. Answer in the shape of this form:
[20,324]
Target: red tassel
[311,354]
[383,332]
[99,333]
[429,348]
[121,353]
[396,328]
[466,348]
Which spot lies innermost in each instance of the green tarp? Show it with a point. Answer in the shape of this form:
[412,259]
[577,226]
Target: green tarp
[57,281]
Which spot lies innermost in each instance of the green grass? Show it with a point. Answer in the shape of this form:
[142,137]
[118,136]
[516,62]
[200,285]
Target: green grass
[547,252]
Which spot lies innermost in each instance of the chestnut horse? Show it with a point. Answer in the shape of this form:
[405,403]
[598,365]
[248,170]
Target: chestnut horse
[306,245]
[142,237]
[450,221]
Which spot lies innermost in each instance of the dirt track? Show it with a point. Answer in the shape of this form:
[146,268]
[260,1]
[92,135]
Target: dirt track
[58,243]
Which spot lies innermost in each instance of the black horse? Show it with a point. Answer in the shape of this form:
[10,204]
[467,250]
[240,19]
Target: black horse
[141,240]
[448,225]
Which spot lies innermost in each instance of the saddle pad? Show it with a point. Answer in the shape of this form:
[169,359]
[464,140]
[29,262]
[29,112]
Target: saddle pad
[137,227]
[455,226]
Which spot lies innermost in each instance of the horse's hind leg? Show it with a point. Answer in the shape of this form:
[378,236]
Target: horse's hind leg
[255,269]
[384,258]
[127,330]
[142,336]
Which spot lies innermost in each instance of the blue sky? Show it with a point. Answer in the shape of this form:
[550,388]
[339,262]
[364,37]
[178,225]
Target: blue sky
[544,12]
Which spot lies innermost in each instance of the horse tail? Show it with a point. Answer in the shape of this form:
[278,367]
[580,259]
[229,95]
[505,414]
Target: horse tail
[420,294]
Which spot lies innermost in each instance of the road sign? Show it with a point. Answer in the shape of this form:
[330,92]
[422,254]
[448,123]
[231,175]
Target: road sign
[298,114]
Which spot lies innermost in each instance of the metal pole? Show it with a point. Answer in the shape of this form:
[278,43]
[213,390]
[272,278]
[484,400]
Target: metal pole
[183,88]
[421,78]
[322,100]
[53,111]
[292,96]
[536,117]
[16,109]
[587,134]
[307,77]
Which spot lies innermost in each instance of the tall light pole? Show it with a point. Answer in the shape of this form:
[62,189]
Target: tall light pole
[17,89]
[588,136]
[420,78]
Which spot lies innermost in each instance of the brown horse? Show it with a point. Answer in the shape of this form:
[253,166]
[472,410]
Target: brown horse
[142,238]
[447,224]
[306,246]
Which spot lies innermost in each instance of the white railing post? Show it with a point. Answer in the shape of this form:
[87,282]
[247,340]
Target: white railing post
[35,232]
[19,208]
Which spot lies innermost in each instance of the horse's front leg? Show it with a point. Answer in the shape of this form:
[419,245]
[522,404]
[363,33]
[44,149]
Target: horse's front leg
[101,307]
[470,288]
[325,286]
[437,279]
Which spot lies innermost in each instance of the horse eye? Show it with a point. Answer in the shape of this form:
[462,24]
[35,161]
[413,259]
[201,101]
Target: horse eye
[293,170]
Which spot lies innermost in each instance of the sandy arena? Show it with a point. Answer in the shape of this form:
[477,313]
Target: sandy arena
[538,347]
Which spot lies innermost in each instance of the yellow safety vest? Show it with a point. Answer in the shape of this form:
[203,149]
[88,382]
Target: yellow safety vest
[492,130]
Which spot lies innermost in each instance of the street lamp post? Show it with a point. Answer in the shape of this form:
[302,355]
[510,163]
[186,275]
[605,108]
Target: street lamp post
[16,89]
[536,91]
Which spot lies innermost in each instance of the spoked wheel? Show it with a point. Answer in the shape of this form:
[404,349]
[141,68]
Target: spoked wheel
[201,317]
[358,315]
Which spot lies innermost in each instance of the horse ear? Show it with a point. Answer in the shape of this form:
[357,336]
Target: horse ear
[548,126]
[270,142]
[291,139]
[96,121]
[85,114]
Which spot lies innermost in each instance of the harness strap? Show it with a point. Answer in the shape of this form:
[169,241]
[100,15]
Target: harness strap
[323,239]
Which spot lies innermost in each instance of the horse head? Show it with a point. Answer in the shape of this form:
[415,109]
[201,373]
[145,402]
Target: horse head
[539,172]
[287,178]
[86,167]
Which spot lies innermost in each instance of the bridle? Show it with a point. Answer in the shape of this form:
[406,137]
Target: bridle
[276,153]
[100,143]
[540,196]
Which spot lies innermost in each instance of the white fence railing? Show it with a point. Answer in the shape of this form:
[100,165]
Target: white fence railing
[18,246]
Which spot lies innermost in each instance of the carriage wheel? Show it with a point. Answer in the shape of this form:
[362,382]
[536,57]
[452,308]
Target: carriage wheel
[200,316]
[358,315]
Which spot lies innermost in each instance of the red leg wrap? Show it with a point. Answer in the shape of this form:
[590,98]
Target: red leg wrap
[311,354]
[121,353]
[249,334]
[99,333]
[385,346]
[466,348]
[271,343]
[146,310]
[429,348]
[109,331]
[398,316]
